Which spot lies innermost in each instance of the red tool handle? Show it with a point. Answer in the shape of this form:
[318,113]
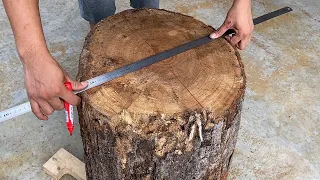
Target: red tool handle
[69,110]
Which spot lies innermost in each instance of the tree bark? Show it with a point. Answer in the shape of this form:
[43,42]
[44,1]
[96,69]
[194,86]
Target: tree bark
[176,119]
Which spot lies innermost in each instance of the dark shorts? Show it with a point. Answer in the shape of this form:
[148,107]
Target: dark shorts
[96,10]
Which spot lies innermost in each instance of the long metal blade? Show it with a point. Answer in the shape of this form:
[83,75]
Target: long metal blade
[169,53]
[96,81]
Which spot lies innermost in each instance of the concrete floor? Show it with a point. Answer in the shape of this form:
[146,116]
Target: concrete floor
[279,135]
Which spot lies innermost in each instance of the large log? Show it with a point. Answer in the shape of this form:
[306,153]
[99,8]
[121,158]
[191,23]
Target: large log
[176,119]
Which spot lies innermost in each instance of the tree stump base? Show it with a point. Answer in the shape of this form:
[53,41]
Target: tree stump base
[176,119]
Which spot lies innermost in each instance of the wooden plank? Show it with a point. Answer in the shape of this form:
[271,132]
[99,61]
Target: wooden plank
[62,162]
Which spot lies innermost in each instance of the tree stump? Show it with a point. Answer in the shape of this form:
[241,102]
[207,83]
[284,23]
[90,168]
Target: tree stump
[176,119]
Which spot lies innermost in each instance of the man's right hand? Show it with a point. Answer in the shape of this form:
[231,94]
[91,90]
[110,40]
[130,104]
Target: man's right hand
[44,78]
[44,81]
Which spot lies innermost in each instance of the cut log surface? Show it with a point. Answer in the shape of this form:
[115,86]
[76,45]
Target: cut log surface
[176,119]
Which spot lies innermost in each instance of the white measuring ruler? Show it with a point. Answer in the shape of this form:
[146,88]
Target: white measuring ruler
[96,81]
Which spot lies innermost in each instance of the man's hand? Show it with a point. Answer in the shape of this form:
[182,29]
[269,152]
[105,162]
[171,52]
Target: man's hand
[239,18]
[44,81]
[44,78]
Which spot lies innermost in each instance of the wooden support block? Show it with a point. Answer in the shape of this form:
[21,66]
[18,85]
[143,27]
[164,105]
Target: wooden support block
[62,163]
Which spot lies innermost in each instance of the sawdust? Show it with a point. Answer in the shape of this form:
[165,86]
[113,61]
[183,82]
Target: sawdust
[58,50]
[13,162]
[188,9]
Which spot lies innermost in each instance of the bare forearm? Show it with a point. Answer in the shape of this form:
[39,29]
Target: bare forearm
[25,21]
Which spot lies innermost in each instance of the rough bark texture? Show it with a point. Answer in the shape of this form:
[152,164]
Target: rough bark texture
[177,119]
